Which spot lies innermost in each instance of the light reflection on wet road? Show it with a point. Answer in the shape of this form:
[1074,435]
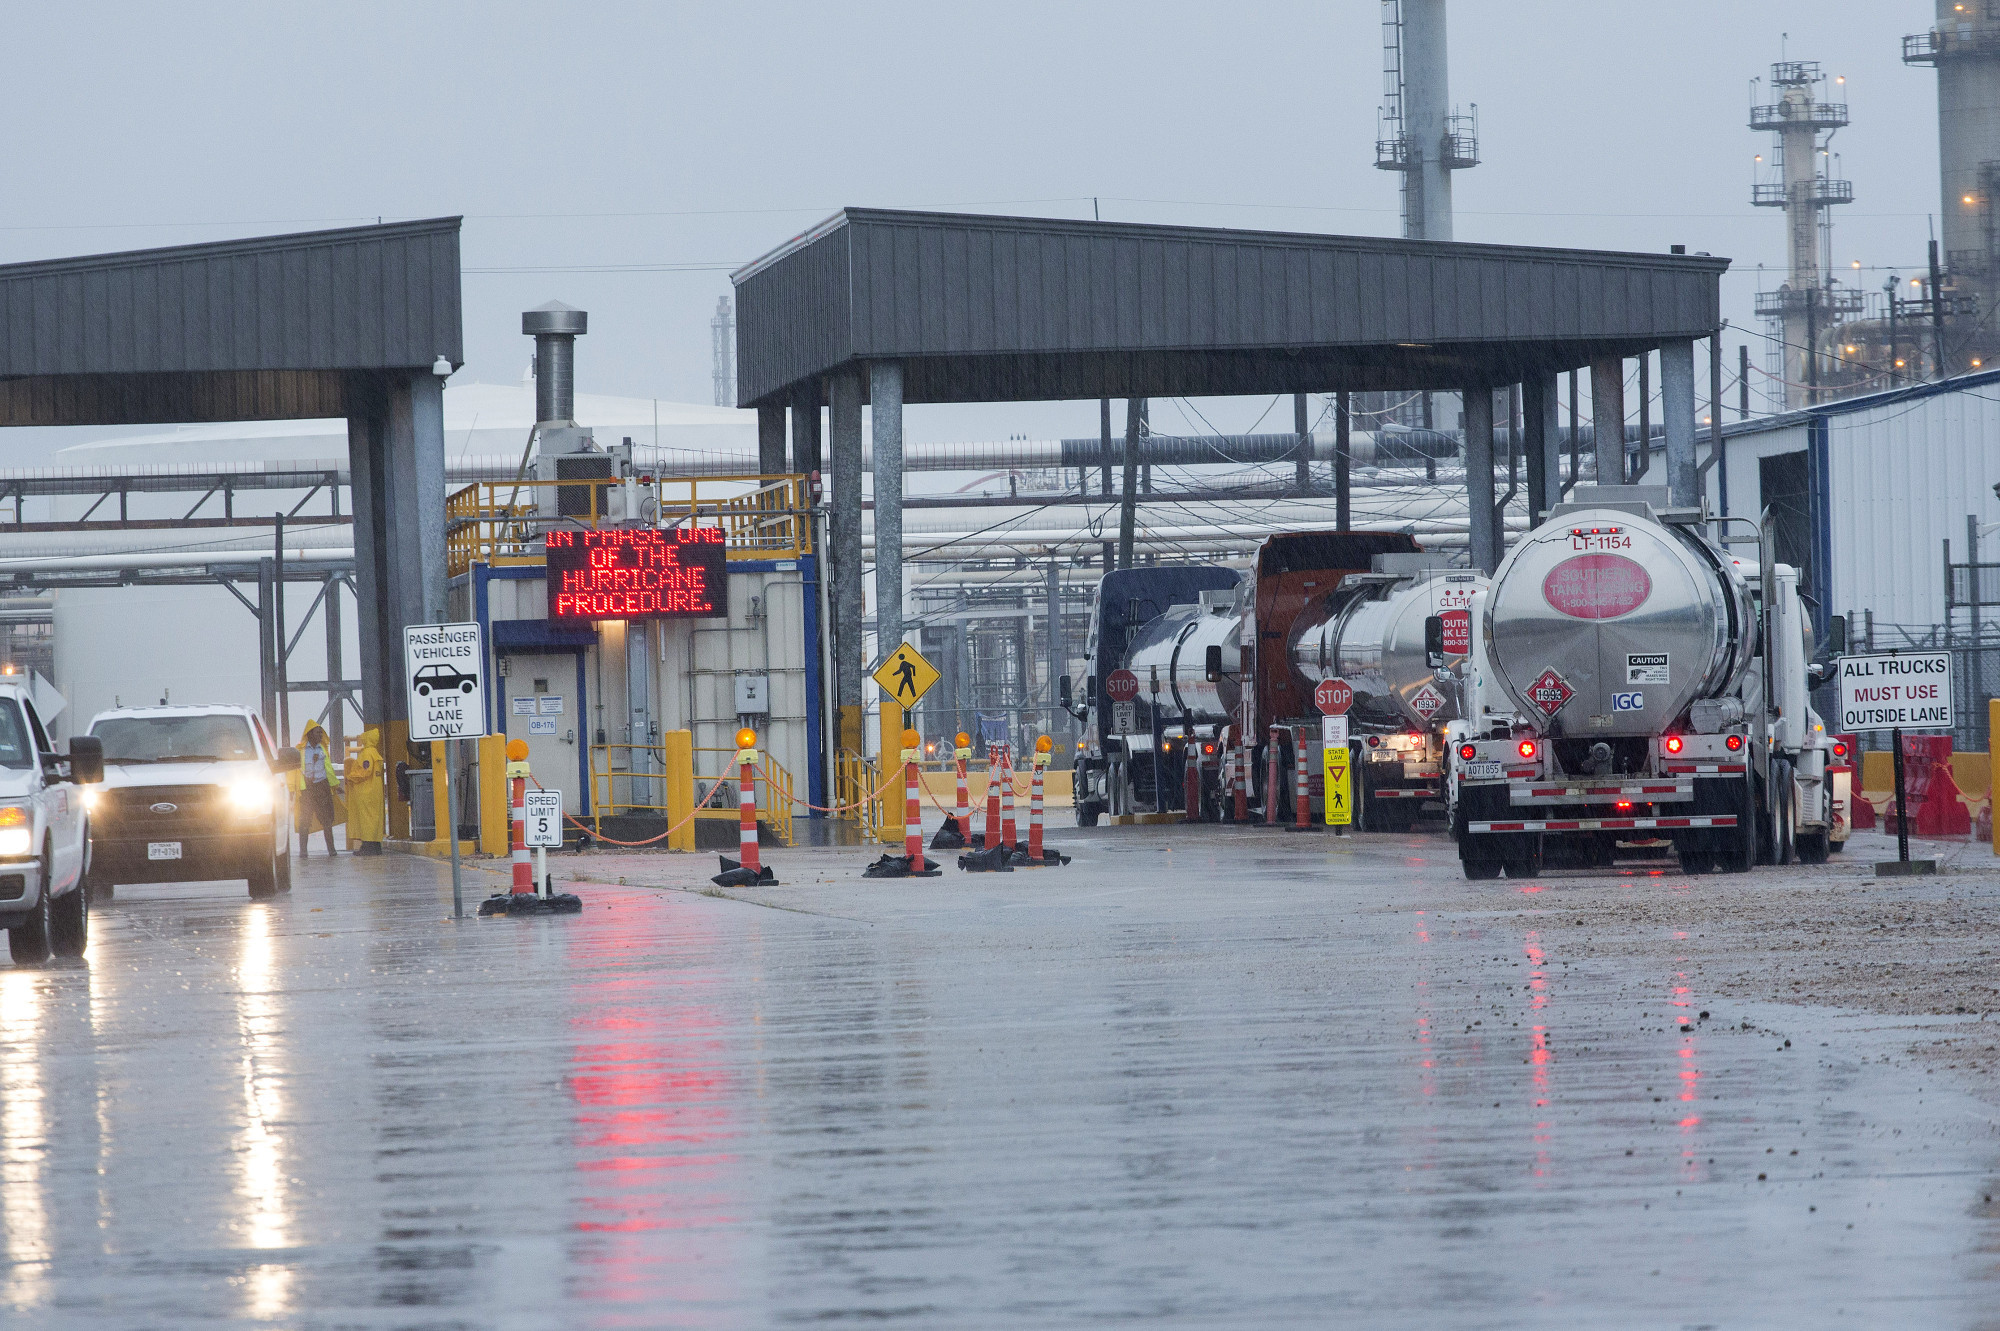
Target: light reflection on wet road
[1214,1078]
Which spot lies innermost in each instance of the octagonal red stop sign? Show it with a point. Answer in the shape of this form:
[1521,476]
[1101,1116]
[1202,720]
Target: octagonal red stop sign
[1333,697]
[1121,686]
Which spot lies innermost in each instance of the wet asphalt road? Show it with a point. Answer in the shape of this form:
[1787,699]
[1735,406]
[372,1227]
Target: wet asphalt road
[1202,1077]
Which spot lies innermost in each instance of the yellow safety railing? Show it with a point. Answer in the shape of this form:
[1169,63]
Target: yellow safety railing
[855,779]
[775,799]
[501,522]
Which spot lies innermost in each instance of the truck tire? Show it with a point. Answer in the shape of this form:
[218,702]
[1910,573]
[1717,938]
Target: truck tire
[1527,864]
[1696,856]
[29,941]
[1738,845]
[1785,815]
[69,922]
[284,874]
[263,876]
[1480,870]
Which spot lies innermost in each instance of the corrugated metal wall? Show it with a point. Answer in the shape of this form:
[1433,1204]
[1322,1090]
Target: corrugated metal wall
[1902,478]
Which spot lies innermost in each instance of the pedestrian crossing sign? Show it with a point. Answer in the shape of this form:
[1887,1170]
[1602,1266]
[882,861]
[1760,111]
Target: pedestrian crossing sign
[1339,799]
[905,675]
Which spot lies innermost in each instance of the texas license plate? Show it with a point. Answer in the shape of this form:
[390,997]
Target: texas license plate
[163,850]
[1482,771]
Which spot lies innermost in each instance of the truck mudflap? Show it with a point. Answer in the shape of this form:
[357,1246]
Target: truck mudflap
[1604,824]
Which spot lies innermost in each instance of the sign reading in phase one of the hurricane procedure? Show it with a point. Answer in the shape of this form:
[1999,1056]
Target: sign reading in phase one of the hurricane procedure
[442,667]
[1909,691]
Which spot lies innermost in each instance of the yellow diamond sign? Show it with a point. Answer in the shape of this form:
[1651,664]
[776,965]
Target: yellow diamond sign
[906,676]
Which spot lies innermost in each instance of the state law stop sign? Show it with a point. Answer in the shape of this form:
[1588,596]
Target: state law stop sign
[1333,697]
[1121,686]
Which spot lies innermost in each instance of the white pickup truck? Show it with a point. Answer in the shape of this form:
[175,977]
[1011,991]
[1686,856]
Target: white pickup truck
[44,831]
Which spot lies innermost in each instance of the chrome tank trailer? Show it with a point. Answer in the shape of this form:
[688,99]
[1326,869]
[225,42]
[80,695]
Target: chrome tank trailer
[1174,648]
[1371,634]
[1611,620]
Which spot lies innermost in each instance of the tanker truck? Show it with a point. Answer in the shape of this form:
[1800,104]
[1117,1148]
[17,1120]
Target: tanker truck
[1634,683]
[1400,636]
[1219,660]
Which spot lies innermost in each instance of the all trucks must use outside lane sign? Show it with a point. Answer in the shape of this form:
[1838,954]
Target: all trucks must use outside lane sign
[1910,691]
[442,673]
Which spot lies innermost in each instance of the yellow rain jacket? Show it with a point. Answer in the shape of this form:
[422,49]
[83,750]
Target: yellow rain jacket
[366,811]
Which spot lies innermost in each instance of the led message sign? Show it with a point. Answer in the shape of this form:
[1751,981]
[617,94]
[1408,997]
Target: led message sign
[637,573]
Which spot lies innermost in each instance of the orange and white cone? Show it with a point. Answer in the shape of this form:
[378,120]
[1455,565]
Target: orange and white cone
[1009,837]
[911,863]
[750,871]
[1035,857]
[956,834]
[524,871]
[994,755]
[1302,791]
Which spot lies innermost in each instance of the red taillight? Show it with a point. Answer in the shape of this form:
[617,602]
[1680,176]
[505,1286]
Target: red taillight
[1624,804]
[1674,744]
[1208,748]
[1468,751]
[1527,748]
[1374,741]
[1734,742]
[1840,750]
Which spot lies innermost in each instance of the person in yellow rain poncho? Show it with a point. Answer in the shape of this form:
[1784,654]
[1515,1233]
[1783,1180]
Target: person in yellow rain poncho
[316,777]
[366,812]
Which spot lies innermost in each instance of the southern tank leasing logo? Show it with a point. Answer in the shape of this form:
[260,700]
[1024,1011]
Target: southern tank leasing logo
[1597,586]
[1550,692]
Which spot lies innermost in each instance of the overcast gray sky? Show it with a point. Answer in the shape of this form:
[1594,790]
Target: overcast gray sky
[673,141]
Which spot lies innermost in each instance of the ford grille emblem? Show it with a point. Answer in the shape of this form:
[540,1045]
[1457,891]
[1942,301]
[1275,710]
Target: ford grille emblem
[166,808]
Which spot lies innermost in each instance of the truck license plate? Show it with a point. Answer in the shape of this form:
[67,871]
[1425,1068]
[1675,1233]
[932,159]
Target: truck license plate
[163,850]
[1482,771]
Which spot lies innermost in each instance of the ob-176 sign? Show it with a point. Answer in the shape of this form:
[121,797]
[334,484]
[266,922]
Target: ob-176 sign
[1910,691]
[637,573]
[442,668]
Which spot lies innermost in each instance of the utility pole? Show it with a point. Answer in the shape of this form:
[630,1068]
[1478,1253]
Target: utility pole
[1342,459]
[1742,381]
[1104,453]
[1937,313]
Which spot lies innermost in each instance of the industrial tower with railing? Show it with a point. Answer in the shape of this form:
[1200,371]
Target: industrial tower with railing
[1799,178]
[1420,135]
[1964,48]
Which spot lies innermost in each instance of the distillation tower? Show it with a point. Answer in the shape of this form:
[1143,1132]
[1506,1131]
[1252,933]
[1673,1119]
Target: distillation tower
[1964,48]
[1800,180]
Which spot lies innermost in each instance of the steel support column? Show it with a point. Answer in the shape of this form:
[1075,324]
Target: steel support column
[1544,446]
[1485,534]
[849,603]
[1677,414]
[771,439]
[1343,459]
[1607,419]
[885,401]
[806,451]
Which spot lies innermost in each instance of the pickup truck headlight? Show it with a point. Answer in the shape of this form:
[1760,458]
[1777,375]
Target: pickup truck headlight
[251,795]
[17,830]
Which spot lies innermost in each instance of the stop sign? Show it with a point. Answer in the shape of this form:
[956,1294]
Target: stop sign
[1121,686]
[1333,697]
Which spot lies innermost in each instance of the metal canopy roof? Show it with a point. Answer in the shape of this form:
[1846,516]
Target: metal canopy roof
[262,329]
[988,309]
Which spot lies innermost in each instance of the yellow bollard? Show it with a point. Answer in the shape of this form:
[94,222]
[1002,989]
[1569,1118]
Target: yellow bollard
[891,800]
[493,818]
[677,755]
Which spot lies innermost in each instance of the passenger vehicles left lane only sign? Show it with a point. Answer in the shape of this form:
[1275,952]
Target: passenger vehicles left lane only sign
[442,674]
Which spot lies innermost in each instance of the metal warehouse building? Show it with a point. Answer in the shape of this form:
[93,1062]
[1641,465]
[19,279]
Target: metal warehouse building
[1874,497]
